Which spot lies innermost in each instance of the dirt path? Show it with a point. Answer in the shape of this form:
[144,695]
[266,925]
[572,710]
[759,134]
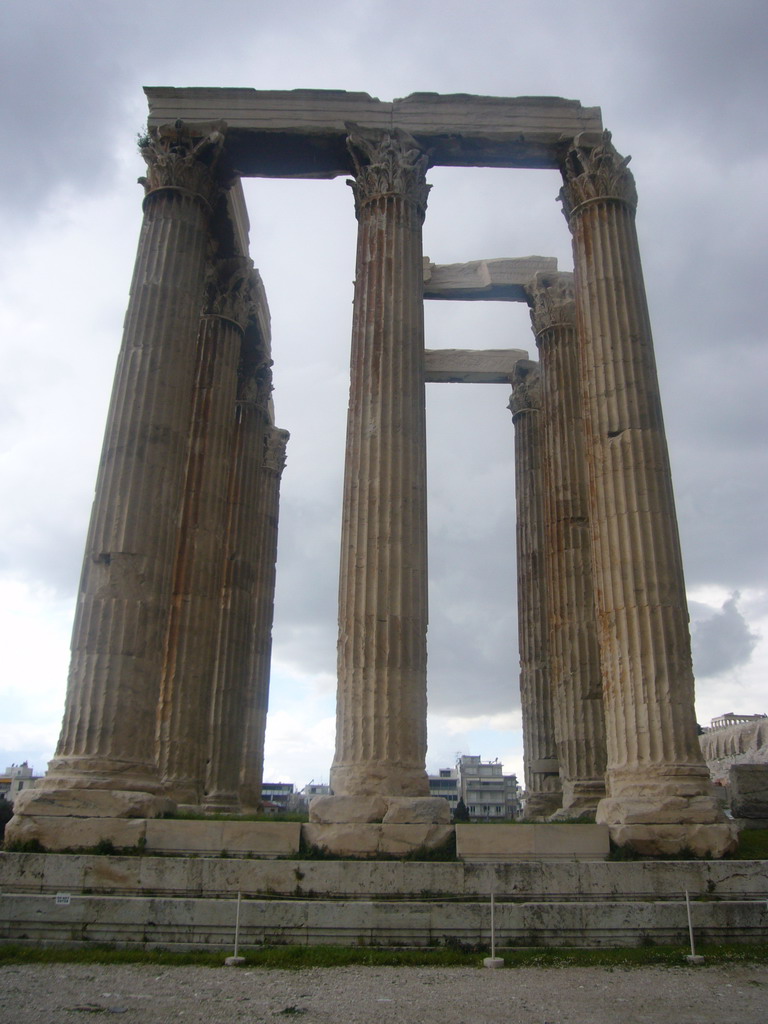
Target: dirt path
[59,994]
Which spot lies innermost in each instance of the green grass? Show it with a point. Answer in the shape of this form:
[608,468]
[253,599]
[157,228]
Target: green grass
[296,957]
[753,845]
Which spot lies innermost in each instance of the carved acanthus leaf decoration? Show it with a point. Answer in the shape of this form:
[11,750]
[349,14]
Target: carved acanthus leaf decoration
[229,291]
[552,301]
[596,173]
[387,163]
[275,444]
[526,388]
[177,159]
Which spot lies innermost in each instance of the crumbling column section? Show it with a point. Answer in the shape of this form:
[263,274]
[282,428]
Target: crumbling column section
[382,654]
[540,760]
[190,661]
[239,586]
[574,659]
[254,710]
[659,793]
[108,734]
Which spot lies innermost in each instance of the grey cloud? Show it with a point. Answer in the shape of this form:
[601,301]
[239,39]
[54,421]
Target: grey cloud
[721,641]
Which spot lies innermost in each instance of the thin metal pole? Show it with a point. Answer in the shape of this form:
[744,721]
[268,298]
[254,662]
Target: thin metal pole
[690,925]
[493,915]
[237,925]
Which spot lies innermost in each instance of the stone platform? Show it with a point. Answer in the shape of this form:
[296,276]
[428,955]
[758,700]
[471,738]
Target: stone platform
[284,839]
[189,902]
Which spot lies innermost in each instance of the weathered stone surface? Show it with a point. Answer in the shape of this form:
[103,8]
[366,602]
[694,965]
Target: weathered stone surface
[529,842]
[381,709]
[347,840]
[667,840]
[749,790]
[574,659]
[543,787]
[351,840]
[58,832]
[471,366]
[327,810]
[417,810]
[655,769]
[499,280]
[302,133]
[91,803]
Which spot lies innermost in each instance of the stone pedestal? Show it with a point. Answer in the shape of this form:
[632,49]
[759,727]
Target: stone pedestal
[574,663]
[381,706]
[190,664]
[541,766]
[108,735]
[656,774]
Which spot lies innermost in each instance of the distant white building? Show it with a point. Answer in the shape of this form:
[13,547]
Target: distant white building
[16,778]
[487,792]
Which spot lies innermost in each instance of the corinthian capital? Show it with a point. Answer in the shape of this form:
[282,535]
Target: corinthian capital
[177,159]
[387,163]
[228,290]
[526,388]
[552,301]
[595,173]
[275,444]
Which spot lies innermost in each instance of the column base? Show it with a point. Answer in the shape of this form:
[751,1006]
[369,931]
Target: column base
[221,803]
[90,803]
[543,805]
[580,800]
[680,796]
[379,779]
[394,810]
[714,840]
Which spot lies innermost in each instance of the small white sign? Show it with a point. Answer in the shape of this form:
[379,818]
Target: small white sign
[63,899]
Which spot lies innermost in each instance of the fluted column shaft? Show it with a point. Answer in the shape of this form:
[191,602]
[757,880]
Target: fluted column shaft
[574,658]
[108,734]
[254,710]
[655,767]
[190,661]
[381,705]
[238,591]
[540,760]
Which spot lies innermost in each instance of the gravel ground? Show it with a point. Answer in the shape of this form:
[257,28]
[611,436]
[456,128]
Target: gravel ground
[58,994]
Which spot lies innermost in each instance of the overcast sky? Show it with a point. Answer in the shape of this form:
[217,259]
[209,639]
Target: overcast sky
[682,86]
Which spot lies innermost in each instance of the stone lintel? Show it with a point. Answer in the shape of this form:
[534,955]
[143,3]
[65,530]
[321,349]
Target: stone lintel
[471,366]
[302,133]
[501,280]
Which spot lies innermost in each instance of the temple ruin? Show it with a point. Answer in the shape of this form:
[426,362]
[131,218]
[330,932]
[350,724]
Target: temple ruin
[167,696]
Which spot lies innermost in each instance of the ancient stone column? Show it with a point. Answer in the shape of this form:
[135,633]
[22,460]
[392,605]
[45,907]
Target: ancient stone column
[659,792]
[381,704]
[254,710]
[574,658]
[191,645]
[108,735]
[239,586]
[540,761]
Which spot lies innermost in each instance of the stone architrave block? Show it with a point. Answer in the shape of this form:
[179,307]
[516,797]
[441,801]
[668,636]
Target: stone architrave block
[749,790]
